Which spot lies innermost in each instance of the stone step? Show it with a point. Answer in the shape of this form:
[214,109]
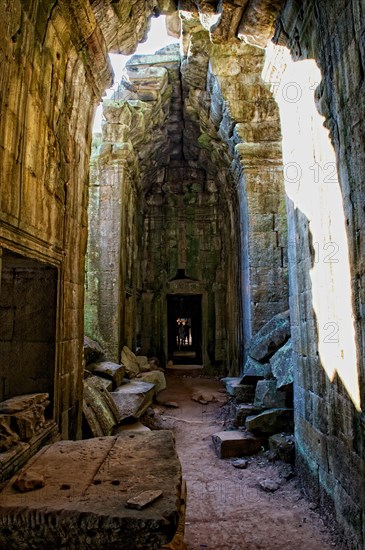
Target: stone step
[244,393]
[235,443]
[242,411]
[271,421]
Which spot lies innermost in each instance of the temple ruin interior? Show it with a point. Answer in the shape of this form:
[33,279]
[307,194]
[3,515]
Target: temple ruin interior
[207,239]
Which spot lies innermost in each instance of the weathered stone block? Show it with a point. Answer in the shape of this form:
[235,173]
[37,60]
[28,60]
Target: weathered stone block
[282,365]
[92,351]
[110,370]
[283,446]
[130,363]
[271,421]
[270,337]
[242,411]
[267,396]
[133,399]
[235,443]
[155,377]
[254,371]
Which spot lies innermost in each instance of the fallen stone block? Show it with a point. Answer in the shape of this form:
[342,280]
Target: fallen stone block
[283,447]
[240,463]
[155,377]
[133,399]
[92,351]
[110,370]
[129,361]
[254,371]
[271,421]
[236,443]
[86,487]
[230,383]
[282,365]
[99,409]
[267,396]
[270,337]
[242,411]
[143,363]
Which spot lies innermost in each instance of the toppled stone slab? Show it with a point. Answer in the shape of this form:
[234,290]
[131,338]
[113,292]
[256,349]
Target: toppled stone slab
[267,396]
[110,370]
[99,409]
[242,411]
[155,377]
[143,363]
[130,363]
[86,487]
[254,371]
[282,446]
[236,443]
[92,351]
[282,365]
[133,399]
[270,337]
[271,421]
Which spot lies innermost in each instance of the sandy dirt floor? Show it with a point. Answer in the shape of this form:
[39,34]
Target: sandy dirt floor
[226,507]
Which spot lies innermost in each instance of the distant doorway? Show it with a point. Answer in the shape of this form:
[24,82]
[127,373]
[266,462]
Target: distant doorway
[184,328]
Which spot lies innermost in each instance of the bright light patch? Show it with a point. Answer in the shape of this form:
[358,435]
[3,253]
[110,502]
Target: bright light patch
[311,182]
[157,39]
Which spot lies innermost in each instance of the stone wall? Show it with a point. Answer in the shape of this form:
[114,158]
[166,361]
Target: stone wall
[318,89]
[49,83]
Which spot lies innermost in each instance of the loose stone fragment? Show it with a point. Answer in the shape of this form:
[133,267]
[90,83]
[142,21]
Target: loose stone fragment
[269,485]
[143,499]
[29,481]
[241,464]
[235,443]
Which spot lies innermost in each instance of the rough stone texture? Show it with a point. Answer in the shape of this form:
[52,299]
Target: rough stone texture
[155,377]
[99,409]
[242,411]
[109,370]
[133,399]
[282,365]
[235,443]
[130,363]
[283,446]
[270,421]
[328,370]
[254,371]
[271,337]
[86,487]
[267,395]
[92,351]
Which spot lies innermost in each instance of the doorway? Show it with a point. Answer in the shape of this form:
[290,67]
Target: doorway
[184,328]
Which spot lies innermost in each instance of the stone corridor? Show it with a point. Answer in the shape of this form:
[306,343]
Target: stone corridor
[224,194]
